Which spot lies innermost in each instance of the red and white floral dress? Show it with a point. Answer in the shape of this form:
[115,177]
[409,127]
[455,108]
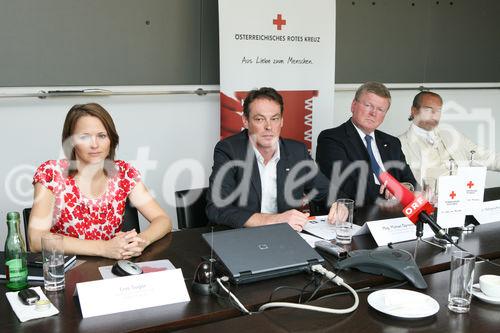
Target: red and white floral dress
[78,216]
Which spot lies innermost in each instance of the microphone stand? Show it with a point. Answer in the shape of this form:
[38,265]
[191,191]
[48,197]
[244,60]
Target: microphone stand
[420,233]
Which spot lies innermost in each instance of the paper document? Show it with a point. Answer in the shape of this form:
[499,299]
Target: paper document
[310,239]
[319,226]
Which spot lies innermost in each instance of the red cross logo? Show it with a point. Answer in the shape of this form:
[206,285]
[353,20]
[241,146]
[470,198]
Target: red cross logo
[453,195]
[470,184]
[278,21]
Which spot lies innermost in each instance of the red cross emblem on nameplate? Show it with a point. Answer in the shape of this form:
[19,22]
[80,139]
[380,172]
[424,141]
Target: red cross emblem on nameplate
[279,22]
[470,184]
[453,195]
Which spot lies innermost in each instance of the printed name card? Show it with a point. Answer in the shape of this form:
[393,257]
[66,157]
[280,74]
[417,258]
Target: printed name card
[473,181]
[395,230]
[490,212]
[451,201]
[132,292]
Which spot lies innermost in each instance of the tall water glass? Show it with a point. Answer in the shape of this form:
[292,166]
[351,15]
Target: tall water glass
[53,262]
[343,223]
[429,186]
[461,279]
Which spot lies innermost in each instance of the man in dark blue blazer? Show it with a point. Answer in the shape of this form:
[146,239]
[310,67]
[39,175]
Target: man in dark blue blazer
[354,153]
[259,178]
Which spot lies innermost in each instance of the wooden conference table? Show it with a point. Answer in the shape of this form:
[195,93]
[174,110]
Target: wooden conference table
[482,317]
[185,249]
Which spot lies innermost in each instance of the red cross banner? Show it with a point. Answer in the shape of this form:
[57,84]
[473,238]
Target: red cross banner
[288,45]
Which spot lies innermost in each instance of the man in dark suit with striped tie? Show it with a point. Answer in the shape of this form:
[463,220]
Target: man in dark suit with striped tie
[354,153]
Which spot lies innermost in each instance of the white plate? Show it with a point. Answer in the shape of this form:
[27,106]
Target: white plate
[403,303]
[476,291]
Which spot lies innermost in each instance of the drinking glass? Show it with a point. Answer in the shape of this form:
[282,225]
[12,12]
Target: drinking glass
[343,224]
[429,186]
[53,262]
[461,279]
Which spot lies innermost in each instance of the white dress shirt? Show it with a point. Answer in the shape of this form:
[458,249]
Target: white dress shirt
[375,150]
[428,136]
[269,204]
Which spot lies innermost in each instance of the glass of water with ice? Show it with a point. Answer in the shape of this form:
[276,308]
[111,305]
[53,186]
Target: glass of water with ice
[53,262]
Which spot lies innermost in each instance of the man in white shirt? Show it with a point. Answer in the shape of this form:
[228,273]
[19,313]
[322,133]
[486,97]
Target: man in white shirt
[433,151]
[259,178]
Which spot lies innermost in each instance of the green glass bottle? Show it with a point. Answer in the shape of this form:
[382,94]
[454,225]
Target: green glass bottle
[16,267]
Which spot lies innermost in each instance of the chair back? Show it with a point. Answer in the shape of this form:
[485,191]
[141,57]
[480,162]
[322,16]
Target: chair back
[26,218]
[130,221]
[130,218]
[190,207]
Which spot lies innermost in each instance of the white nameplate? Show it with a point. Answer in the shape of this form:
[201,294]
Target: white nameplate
[451,200]
[363,230]
[473,180]
[490,212]
[395,230]
[132,292]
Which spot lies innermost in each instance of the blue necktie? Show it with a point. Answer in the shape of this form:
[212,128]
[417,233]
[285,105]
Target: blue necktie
[373,161]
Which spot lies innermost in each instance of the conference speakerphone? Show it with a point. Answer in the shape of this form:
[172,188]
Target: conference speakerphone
[393,263]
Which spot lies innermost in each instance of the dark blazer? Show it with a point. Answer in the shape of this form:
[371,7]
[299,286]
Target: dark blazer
[344,146]
[237,211]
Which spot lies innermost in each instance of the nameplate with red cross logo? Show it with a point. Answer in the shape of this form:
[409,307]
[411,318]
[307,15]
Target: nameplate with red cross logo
[474,179]
[451,201]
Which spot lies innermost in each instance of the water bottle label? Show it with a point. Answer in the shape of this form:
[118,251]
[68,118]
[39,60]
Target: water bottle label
[15,270]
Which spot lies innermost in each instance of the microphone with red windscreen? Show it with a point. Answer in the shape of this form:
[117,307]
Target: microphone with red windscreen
[415,208]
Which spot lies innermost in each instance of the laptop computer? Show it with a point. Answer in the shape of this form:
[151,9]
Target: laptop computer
[253,254]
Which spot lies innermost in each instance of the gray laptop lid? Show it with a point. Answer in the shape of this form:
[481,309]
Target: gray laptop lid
[252,254]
